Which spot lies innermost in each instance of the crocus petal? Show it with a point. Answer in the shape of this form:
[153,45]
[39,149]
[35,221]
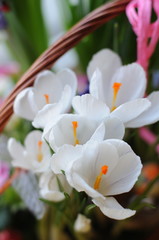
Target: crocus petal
[15,147]
[53,85]
[94,156]
[111,208]
[46,115]
[31,141]
[133,80]
[126,172]
[47,82]
[68,77]
[87,105]
[77,182]
[99,133]
[114,128]
[24,104]
[51,111]
[96,86]
[32,150]
[106,61]
[131,110]
[151,115]
[62,131]
[49,186]
[17,152]
[64,158]
[55,196]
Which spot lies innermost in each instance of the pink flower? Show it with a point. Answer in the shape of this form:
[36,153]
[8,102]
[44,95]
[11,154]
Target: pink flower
[139,14]
[4,172]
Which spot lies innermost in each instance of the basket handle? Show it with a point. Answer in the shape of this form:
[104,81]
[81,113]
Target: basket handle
[87,25]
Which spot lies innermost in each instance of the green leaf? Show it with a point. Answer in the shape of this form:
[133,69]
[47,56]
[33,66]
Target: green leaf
[143,205]
[137,201]
[27,32]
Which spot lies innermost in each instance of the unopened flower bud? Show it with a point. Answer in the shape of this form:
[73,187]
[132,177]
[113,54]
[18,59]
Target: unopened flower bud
[82,224]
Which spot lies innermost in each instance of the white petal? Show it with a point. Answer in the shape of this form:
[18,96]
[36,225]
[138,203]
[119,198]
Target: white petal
[31,141]
[89,106]
[77,182]
[99,133]
[111,208]
[32,150]
[50,111]
[83,172]
[46,115]
[114,128]
[131,110]
[54,196]
[96,86]
[133,80]
[68,77]
[62,131]
[65,157]
[106,61]
[47,82]
[50,188]
[126,172]
[151,115]
[24,104]
[17,152]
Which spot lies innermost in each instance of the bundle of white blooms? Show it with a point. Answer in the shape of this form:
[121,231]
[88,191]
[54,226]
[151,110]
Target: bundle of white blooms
[80,144]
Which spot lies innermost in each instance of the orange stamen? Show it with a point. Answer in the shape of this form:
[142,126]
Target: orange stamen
[47,99]
[40,155]
[104,170]
[75,126]
[116,88]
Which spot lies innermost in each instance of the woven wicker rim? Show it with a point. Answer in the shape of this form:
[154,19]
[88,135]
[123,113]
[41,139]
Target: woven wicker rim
[87,25]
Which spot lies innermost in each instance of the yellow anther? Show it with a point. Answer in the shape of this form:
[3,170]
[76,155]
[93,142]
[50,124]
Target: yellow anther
[116,88]
[104,170]
[75,126]
[40,155]
[47,99]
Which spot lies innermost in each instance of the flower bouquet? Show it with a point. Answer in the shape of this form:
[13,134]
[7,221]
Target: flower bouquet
[77,166]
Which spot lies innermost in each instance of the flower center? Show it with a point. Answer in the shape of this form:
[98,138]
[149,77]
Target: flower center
[75,126]
[116,88]
[104,170]
[40,155]
[47,99]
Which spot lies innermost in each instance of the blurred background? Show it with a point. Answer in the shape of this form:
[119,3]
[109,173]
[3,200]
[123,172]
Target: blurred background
[27,28]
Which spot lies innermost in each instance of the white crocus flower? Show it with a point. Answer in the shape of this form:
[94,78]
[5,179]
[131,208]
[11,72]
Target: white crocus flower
[122,88]
[50,185]
[34,155]
[101,169]
[76,129]
[82,224]
[51,95]
[92,122]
